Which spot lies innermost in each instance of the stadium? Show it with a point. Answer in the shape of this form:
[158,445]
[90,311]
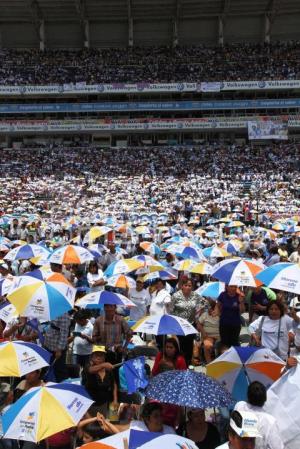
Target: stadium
[150,224]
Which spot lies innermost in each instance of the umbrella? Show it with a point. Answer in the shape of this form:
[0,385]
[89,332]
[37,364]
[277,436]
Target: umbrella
[7,312]
[279,227]
[241,272]
[149,262]
[215,252]
[164,325]
[283,404]
[211,289]
[185,265]
[95,300]
[239,366]
[96,232]
[19,358]
[235,224]
[142,230]
[122,266]
[121,281]
[201,268]
[282,276]
[71,254]
[188,389]
[5,285]
[138,439]
[26,252]
[186,250]
[150,247]
[42,295]
[44,411]
[233,246]
[167,274]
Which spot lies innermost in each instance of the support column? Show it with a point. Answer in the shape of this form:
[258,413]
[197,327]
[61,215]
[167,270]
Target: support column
[130,24]
[42,35]
[267,30]
[221,31]
[86,31]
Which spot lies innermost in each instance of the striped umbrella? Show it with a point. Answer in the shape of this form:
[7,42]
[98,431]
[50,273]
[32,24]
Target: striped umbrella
[26,252]
[95,300]
[121,281]
[241,272]
[41,295]
[211,289]
[123,266]
[150,247]
[19,358]
[215,252]
[282,276]
[71,254]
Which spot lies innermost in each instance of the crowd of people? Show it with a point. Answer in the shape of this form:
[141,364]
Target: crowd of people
[59,181]
[209,196]
[236,62]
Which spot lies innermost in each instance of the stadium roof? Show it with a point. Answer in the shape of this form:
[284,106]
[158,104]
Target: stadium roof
[103,23]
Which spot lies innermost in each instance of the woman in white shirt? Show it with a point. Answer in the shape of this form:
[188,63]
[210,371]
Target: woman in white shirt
[95,277]
[161,299]
[272,331]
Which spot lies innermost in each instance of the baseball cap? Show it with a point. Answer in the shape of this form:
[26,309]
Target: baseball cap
[97,348]
[249,427]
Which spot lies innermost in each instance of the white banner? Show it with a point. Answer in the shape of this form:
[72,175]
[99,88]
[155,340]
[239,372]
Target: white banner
[46,126]
[268,129]
[115,88]
[210,87]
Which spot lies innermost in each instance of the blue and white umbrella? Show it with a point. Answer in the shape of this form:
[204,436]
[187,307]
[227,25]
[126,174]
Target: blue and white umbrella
[211,289]
[215,252]
[164,325]
[45,411]
[26,252]
[188,389]
[96,300]
[239,272]
[282,276]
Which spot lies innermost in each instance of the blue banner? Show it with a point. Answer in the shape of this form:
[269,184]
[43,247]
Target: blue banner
[148,106]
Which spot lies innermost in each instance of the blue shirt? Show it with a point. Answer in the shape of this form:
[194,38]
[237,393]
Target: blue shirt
[230,312]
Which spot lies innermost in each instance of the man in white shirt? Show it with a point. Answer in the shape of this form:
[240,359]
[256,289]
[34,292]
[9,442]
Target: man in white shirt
[141,298]
[267,424]
[82,338]
[243,431]
[161,299]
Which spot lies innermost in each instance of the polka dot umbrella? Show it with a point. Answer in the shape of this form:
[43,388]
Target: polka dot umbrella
[188,389]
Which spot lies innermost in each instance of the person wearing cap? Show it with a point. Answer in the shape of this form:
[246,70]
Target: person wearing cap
[99,380]
[141,298]
[267,424]
[243,431]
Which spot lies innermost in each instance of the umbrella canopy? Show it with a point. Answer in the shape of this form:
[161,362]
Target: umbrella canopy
[122,266]
[96,232]
[71,254]
[215,252]
[186,251]
[241,272]
[166,275]
[211,289]
[185,265]
[142,440]
[150,247]
[282,276]
[164,325]
[149,262]
[239,366]
[44,411]
[96,300]
[18,358]
[188,389]
[42,295]
[201,268]
[7,312]
[26,252]
[121,281]
[232,246]
[5,286]
[283,404]
[235,224]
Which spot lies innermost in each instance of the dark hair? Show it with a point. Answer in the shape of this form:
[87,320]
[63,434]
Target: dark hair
[174,342]
[257,394]
[149,408]
[185,280]
[94,430]
[81,315]
[93,264]
[237,418]
[160,280]
[278,304]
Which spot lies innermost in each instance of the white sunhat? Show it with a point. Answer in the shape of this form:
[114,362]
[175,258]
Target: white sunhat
[249,427]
